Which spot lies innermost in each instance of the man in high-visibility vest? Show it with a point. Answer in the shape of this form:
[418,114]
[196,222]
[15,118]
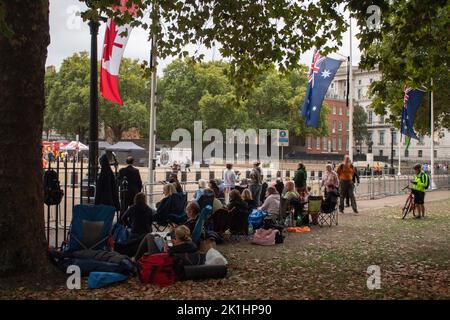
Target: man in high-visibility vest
[420,185]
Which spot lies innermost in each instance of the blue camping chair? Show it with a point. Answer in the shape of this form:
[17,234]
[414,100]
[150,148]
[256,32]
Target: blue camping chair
[91,227]
[206,211]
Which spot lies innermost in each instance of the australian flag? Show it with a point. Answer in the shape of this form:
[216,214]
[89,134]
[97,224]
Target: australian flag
[323,70]
[411,102]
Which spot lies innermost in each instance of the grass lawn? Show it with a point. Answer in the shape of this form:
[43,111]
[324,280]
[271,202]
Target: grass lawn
[327,263]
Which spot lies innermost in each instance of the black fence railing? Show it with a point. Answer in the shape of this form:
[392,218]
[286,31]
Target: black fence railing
[78,189]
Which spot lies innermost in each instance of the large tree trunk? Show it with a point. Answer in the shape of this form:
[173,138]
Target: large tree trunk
[22,69]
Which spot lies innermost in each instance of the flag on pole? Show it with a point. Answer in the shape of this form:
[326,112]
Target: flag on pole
[411,103]
[116,38]
[322,72]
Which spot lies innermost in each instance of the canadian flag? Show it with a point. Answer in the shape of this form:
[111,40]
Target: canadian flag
[116,38]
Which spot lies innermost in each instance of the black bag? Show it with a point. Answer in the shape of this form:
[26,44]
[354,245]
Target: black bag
[53,193]
[180,260]
[205,272]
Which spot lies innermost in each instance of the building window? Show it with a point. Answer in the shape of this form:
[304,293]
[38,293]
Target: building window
[334,110]
[318,143]
[406,153]
[340,144]
[370,136]
[370,80]
[381,142]
[369,117]
[334,126]
[420,153]
[394,137]
[347,143]
[334,144]
[435,153]
[359,94]
[340,111]
[324,144]
[348,126]
[380,153]
[340,125]
[309,142]
[359,82]
[393,153]
[332,85]
[348,112]
[381,119]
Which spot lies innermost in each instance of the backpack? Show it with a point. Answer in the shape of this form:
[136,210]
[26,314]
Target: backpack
[427,185]
[157,269]
[53,193]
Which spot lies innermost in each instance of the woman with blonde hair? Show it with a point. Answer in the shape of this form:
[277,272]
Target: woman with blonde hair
[201,189]
[247,197]
[182,243]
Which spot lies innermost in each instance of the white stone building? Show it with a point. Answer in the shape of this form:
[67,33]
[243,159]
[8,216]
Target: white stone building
[381,134]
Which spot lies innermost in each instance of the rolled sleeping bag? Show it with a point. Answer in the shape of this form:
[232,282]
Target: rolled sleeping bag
[202,272]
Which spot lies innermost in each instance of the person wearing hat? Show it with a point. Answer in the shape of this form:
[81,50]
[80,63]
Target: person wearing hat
[255,182]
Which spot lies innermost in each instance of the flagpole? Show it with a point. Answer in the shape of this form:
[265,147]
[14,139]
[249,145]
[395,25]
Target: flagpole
[399,173]
[151,136]
[350,93]
[433,186]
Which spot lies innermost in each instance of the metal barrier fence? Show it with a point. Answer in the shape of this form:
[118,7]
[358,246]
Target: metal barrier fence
[79,190]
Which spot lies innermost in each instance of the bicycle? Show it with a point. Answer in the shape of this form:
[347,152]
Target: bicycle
[409,204]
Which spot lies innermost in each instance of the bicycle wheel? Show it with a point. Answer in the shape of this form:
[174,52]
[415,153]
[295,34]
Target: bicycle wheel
[407,207]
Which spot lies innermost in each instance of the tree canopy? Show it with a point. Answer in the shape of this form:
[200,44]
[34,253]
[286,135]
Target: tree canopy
[67,103]
[410,48]
[190,91]
[252,34]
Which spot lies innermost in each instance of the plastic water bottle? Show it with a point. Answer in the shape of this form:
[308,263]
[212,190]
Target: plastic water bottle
[250,229]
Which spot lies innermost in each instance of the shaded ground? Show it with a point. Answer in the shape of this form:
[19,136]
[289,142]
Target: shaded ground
[328,263]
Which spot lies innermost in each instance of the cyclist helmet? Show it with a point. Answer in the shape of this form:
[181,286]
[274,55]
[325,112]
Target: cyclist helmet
[418,166]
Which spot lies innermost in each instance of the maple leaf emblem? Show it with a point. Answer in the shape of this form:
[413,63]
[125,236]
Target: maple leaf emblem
[110,37]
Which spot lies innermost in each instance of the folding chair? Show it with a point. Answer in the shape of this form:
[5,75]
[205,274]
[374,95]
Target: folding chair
[314,206]
[219,220]
[90,228]
[328,217]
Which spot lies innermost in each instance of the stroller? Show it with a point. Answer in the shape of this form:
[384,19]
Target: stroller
[91,228]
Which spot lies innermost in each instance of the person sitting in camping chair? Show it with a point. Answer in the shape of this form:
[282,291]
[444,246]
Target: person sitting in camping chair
[171,208]
[331,199]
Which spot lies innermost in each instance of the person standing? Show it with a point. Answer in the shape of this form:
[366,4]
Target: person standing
[255,184]
[329,178]
[106,191]
[345,173]
[355,181]
[229,180]
[300,179]
[132,178]
[420,185]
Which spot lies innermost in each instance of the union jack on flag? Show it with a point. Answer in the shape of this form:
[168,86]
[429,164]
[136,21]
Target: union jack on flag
[317,59]
[411,100]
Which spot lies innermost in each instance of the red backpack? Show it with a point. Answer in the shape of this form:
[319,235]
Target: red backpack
[157,269]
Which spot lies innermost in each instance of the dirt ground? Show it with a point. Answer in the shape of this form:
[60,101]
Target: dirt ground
[327,263]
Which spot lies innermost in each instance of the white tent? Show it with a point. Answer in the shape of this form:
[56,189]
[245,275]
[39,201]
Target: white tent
[74,146]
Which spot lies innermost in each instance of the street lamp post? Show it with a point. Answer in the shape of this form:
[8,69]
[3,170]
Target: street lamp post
[93,104]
